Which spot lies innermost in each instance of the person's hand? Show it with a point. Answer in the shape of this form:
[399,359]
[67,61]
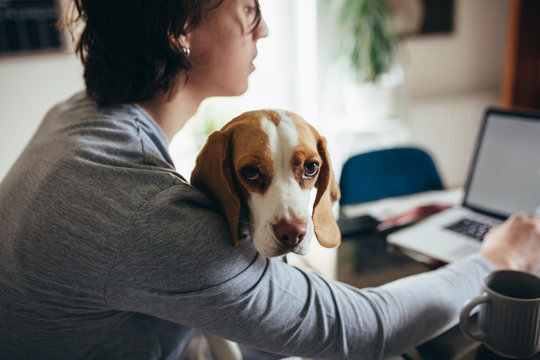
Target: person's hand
[515,244]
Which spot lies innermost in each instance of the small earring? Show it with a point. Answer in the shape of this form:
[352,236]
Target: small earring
[186,51]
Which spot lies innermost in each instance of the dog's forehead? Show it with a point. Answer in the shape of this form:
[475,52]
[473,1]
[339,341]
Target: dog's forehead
[252,128]
[307,136]
[248,135]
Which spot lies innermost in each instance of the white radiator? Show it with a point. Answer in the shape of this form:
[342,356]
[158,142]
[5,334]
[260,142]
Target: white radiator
[447,127]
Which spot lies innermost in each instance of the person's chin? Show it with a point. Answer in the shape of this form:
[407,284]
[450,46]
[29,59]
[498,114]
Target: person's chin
[234,89]
[240,89]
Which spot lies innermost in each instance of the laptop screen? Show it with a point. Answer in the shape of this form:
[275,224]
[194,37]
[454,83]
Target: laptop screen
[505,173]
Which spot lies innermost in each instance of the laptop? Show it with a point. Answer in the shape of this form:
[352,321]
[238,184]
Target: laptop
[503,178]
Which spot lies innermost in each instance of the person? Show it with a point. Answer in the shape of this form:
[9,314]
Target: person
[108,253]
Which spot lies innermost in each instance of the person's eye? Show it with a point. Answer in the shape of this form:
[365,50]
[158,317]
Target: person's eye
[311,169]
[251,173]
[251,11]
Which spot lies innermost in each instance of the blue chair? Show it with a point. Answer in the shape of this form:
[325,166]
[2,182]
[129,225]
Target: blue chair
[386,173]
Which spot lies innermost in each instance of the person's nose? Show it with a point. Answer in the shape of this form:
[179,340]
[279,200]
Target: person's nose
[262,29]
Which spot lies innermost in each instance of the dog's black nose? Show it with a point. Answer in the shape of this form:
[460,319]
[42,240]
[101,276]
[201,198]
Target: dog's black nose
[290,233]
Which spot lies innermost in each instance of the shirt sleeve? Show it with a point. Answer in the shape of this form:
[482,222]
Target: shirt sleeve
[177,262]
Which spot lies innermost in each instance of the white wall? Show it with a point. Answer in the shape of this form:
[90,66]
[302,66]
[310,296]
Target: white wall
[29,86]
[468,60]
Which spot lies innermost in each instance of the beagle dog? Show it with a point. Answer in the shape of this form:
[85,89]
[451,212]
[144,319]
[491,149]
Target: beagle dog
[270,172]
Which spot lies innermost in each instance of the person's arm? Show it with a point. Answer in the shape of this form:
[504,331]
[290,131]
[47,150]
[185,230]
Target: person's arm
[178,263]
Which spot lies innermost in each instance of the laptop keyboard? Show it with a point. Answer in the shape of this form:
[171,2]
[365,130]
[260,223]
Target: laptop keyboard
[470,228]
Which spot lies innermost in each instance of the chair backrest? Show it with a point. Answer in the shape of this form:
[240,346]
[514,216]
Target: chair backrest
[387,173]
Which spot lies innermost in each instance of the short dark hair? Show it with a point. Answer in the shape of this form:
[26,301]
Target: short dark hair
[130,50]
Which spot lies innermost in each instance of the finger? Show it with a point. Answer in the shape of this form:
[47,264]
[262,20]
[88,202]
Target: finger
[526,215]
[519,218]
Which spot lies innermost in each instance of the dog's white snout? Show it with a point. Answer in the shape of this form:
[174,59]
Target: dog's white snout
[290,233]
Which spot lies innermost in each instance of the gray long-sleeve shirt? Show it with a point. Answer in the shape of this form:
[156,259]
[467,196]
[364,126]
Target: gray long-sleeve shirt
[106,252]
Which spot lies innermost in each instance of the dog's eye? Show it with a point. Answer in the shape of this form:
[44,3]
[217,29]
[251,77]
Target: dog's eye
[311,169]
[251,173]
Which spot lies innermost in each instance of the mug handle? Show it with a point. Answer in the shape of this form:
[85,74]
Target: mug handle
[465,319]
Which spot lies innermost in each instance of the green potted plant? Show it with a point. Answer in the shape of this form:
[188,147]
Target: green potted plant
[360,39]
[368,39]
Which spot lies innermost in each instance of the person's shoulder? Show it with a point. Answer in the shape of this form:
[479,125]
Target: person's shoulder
[120,135]
[78,106]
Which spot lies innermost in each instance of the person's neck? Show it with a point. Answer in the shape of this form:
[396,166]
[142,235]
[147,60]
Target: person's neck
[171,114]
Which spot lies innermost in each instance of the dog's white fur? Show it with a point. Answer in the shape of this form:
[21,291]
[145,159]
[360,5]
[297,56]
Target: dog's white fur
[284,198]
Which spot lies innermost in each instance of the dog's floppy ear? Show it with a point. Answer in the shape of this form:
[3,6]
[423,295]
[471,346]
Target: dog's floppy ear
[326,228]
[213,176]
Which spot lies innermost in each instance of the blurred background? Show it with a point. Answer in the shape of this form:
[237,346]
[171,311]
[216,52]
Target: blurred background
[423,78]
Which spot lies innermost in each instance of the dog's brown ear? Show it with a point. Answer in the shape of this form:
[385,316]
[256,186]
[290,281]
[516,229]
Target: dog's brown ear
[213,176]
[326,228]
